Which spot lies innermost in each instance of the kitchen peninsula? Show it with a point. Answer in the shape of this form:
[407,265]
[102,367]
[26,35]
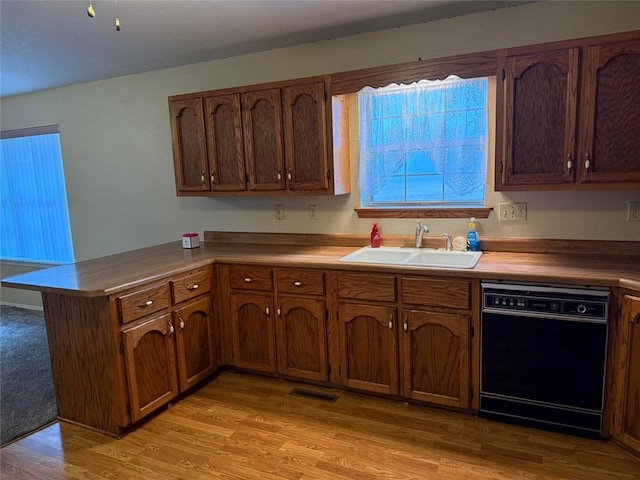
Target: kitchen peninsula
[131,332]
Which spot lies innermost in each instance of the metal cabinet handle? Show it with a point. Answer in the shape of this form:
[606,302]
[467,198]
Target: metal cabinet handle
[171,329]
[569,163]
[148,303]
[181,323]
[248,280]
[391,322]
[587,162]
[279,175]
[289,174]
[213,178]
[298,283]
[406,324]
[279,310]
[202,176]
[267,310]
[195,286]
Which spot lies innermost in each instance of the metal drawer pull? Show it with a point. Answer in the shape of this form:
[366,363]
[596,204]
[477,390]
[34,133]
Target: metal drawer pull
[148,303]
[247,280]
[193,287]
[298,284]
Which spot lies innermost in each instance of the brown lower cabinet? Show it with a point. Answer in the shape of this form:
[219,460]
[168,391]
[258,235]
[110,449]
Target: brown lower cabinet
[290,339]
[368,347]
[168,354]
[627,417]
[423,353]
[434,357]
[253,331]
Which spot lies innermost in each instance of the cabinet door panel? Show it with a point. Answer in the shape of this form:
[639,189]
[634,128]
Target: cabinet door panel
[253,332]
[305,137]
[369,357]
[539,98]
[194,342]
[629,350]
[435,358]
[302,338]
[151,365]
[189,147]
[262,125]
[611,135]
[224,140]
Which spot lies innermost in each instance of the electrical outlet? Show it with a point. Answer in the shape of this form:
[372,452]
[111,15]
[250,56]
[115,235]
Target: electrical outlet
[279,212]
[313,212]
[633,212]
[512,212]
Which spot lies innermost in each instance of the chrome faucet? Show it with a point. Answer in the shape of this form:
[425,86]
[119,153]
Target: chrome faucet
[420,229]
[449,241]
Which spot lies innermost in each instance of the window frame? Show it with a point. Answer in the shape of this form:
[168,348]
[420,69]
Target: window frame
[482,64]
[34,132]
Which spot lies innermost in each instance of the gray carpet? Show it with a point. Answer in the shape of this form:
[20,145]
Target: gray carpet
[27,401]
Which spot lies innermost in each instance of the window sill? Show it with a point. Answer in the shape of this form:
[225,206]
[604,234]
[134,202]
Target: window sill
[423,212]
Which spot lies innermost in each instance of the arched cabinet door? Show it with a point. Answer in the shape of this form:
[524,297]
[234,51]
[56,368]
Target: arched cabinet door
[435,358]
[189,145]
[253,331]
[223,123]
[611,116]
[368,347]
[538,97]
[263,143]
[302,338]
[194,342]
[305,138]
[151,365]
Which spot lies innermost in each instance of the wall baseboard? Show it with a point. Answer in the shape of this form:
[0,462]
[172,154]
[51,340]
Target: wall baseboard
[20,305]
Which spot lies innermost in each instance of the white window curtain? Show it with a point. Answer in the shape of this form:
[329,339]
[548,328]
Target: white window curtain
[35,223]
[424,143]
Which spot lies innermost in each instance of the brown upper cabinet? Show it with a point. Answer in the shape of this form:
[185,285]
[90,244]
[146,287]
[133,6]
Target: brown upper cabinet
[256,140]
[568,116]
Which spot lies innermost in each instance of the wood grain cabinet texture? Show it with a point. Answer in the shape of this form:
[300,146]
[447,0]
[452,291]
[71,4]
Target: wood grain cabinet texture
[627,417]
[407,336]
[568,116]
[116,358]
[277,320]
[167,354]
[257,140]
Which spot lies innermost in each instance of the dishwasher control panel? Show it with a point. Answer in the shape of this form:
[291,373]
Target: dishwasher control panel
[546,300]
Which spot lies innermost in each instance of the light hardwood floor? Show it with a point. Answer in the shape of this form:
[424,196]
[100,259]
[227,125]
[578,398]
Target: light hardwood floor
[246,427]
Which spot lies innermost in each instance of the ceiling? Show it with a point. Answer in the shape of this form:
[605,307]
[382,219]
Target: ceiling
[52,43]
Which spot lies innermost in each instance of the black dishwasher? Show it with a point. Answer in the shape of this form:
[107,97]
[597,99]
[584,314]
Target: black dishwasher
[542,356]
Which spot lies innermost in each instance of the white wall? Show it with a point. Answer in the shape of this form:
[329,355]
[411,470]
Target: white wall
[116,138]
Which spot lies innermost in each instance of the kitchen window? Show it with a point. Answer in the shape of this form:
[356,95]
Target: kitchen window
[34,219]
[424,146]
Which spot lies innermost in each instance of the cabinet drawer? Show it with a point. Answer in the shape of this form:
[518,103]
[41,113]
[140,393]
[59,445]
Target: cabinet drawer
[437,293]
[143,301]
[308,282]
[251,278]
[191,285]
[367,286]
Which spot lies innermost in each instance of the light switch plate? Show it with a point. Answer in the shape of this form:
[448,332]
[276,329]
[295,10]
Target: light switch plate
[512,212]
